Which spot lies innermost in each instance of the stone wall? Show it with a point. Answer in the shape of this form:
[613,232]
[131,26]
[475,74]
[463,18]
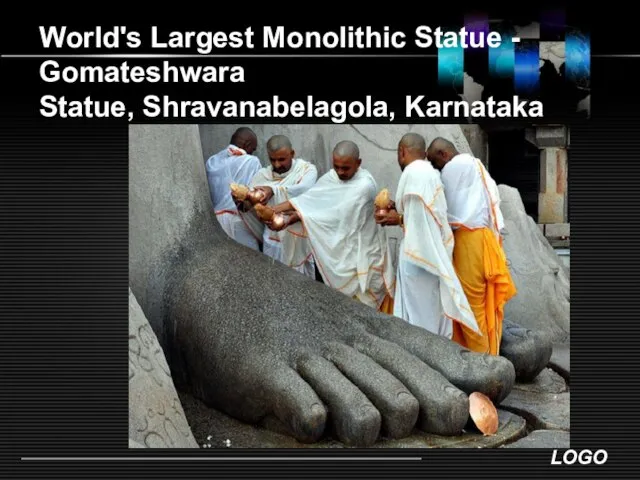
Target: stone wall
[478,142]
[165,202]
[156,416]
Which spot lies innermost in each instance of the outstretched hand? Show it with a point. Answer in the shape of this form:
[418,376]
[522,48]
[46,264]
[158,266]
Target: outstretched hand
[268,194]
[392,217]
[276,226]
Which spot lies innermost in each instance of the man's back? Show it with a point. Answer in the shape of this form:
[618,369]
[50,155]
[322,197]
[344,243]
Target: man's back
[225,167]
[420,178]
[468,202]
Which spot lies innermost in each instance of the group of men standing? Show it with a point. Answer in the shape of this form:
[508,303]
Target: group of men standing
[452,276]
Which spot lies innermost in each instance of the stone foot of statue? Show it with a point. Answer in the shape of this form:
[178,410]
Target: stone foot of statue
[260,340]
[529,351]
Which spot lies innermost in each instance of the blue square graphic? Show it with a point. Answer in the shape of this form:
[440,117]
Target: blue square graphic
[527,67]
[578,58]
[451,67]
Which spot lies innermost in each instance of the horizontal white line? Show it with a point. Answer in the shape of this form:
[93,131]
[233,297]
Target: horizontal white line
[198,458]
[159,55]
[515,39]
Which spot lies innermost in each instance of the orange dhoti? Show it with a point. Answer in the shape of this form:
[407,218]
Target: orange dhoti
[386,306]
[481,266]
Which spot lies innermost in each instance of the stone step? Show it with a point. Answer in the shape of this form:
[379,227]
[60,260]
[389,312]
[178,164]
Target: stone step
[542,411]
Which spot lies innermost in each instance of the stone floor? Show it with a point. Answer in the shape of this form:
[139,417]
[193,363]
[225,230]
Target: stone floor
[534,415]
[545,404]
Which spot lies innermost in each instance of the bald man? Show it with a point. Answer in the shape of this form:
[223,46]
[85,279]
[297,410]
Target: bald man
[286,177]
[428,293]
[234,164]
[474,215]
[336,215]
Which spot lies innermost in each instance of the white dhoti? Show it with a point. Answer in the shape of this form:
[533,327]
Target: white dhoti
[418,299]
[233,226]
[273,248]
[428,292]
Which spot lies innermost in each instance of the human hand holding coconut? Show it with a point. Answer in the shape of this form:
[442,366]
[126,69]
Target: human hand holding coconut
[278,217]
[250,196]
[385,210]
[240,193]
[275,221]
[264,194]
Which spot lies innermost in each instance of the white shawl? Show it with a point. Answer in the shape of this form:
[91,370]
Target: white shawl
[230,165]
[473,197]
[428,239]
[350,250]
[298,179]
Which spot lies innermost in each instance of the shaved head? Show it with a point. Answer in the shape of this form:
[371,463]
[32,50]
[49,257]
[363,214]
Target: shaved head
[347,149]
[440,151]
[280,153]
[411,147]
[443,144]
[414,142]
[246,139]
[346,159]
[278,142]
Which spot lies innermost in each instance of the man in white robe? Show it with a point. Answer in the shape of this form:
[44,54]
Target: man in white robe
[285,178]
[337,215]
[234,164]
[480,262]
[428,292]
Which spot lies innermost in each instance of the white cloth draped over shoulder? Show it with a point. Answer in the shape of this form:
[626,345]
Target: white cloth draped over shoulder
[427,244]
[230,165]
[473,198]
[298,179]
[350,250]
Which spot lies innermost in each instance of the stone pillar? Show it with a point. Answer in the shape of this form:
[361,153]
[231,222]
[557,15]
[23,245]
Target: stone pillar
[552,199]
